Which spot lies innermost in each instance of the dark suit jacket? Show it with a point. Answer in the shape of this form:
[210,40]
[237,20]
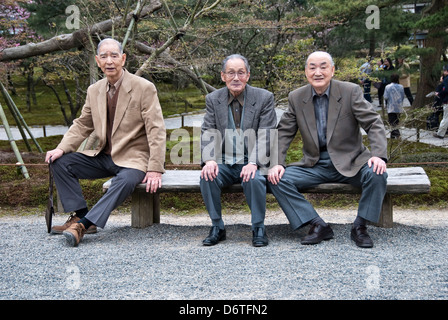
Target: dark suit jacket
[443,93]
[259,113]
[348,112]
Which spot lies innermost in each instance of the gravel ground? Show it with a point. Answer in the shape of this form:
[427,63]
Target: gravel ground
[168,262]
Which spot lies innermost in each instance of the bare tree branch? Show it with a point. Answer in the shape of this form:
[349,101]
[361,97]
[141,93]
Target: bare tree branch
[178,34]
[72,40]
[167,58]
[83,37]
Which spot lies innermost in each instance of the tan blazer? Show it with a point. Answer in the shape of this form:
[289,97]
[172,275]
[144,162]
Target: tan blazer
[348,111]
[404,73]
[138,133]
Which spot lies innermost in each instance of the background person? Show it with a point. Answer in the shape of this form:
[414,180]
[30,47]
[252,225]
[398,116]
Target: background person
[404,71]
[394,96]
[443,96]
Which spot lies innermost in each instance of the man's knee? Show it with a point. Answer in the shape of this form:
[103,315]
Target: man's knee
[371,177]
[208,183]
[257,180]
[129,180]
[61,164]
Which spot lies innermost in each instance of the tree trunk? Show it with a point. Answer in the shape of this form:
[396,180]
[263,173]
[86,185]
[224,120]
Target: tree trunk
[429,76]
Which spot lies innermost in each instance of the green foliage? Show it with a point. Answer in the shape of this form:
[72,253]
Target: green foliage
[288,70]
[347,70]
[8,174]
[436,159]
[432,21]
[182,202]
[295,153]
[92,190]
[179,100]
[46,144]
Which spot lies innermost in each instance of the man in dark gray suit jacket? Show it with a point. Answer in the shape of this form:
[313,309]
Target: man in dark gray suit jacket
[235,142]
[329,114]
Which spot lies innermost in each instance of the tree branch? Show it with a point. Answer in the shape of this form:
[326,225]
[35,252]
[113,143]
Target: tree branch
[178,35]
[166,57]
[71,40]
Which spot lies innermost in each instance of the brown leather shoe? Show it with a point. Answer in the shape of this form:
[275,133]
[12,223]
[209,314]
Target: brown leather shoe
[74,234]
[71,220]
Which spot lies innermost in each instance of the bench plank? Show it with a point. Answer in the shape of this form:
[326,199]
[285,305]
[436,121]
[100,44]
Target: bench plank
[146,206]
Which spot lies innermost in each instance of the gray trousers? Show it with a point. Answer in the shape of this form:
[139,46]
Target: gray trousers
[68,169]
[299,211]
[254,190]
[444,123]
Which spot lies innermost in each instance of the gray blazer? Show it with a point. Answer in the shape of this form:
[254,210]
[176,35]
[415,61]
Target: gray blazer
[348,112]
[259,113]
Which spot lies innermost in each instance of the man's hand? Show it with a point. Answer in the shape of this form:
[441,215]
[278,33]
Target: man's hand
[379,166]
[210,170]
[275,174]
[53,155]
[248,172]
[153,181]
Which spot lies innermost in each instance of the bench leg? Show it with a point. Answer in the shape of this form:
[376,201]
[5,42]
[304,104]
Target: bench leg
[386,217]
[145,209]
[156,208]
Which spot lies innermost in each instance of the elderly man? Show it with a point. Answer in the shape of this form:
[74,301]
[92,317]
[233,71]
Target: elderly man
[125,113]
[235,133]
[329,114]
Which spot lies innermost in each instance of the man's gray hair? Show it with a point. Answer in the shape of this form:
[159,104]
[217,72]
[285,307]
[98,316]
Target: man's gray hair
[120,47]
[235,56]
[320,52]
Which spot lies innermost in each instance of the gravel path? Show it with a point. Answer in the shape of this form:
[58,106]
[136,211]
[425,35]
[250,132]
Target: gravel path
[167,261]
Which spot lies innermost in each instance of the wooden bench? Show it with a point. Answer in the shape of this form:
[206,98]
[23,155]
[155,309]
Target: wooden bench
[146,206]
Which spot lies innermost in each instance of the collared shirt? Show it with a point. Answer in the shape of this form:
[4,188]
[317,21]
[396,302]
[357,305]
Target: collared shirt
[321,111]
[236,104]
[112,88]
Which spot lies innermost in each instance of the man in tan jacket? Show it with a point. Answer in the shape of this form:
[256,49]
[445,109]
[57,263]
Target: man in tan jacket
[125,113]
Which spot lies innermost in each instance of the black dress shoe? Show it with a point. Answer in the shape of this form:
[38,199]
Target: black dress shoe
[215,236]
[317,233]
[361,237]
[259,237]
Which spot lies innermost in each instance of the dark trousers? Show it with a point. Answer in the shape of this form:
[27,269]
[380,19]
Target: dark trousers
[394,120]
[407,92]
[367,85]
[299,211]
[254,190]
[71,167]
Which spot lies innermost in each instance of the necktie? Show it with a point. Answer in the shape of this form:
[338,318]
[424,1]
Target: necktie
[236,107]
[112,91]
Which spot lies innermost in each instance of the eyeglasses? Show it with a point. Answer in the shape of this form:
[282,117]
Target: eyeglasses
[232,74]
[113,55]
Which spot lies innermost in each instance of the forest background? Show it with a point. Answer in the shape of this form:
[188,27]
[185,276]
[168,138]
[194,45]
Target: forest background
[47,62]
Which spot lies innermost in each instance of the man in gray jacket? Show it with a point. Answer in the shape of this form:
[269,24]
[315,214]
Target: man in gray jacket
[329,114]
[235,142]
